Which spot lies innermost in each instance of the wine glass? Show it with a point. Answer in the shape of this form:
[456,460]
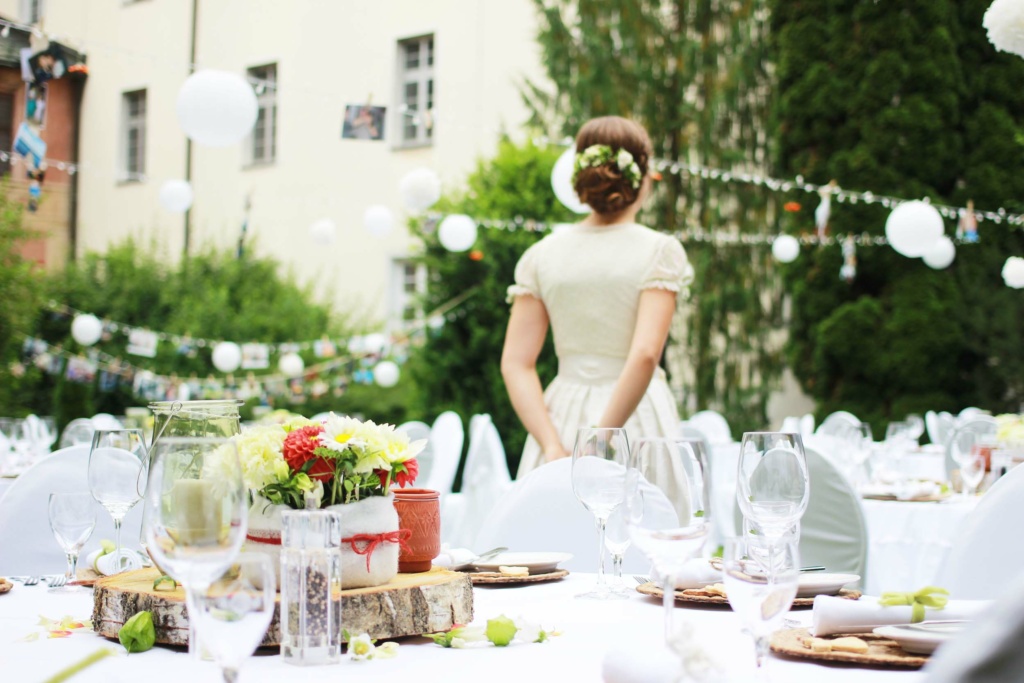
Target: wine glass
[233,613]
[772,485]
[195,519]
[972,470]
[616,541]
[761,578]
[598,471]
[72,519]
[117,475]
[668,515]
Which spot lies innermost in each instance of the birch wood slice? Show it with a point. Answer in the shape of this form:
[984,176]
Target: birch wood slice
[409,605]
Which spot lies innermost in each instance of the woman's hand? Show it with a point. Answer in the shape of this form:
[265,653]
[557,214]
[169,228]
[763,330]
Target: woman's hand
[555,453]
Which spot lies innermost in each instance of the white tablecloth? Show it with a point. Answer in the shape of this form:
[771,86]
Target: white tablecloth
[590,629]
[5,483]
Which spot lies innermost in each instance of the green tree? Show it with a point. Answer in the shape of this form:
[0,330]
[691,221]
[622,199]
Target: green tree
[905,99]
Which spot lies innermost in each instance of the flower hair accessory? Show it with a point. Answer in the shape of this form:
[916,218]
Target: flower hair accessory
[599,155]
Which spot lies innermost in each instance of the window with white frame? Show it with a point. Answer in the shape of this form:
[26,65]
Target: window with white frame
[416,91]
[408,284]
[263,141]
[133,135]
[31,11]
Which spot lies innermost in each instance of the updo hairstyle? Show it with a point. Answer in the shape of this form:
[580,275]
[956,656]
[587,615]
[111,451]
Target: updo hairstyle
[604,188]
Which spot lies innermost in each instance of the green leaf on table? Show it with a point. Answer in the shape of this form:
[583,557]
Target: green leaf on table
[138,633]
[161,580]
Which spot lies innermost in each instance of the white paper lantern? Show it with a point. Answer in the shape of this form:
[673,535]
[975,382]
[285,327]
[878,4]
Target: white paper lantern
[216,108]
[86,329]
[1004,21]
[941,254]
[785,248]
[913,228]
[323,232]
[291,365]
[1013,272]
[374,343]
[457,232]
[378,220]
[420,189]
[561,182]
[385,373]
[176,196]
[227,356]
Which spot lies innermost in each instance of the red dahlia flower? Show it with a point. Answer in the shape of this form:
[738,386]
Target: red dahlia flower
[405,477]
[298,448]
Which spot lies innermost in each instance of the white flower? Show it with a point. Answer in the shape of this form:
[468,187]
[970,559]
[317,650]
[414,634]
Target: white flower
[528,632]
[341,433]
[259,452]
[361,647]
[624,159]
[314,497]
[386,650]
[458,643]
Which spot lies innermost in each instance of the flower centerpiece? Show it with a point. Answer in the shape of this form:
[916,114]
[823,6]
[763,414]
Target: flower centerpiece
[344,465]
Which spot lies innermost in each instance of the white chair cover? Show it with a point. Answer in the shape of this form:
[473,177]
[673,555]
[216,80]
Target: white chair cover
[420,430]
[713,424]
[987,555]
[965,435]
[839,420]
[541,513]
[970,413]
[807,425]
[106,421]
[832,531]
[77,432]
[27,545]
[446,439]
[484,479]
[790,425]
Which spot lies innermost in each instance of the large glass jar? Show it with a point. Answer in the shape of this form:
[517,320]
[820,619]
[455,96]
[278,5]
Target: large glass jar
[195,418]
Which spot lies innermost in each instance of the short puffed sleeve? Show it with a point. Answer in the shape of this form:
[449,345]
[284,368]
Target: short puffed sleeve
[669,269]
[525,276]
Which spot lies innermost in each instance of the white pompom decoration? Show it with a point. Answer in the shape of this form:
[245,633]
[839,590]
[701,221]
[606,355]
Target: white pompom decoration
[227,356]
[291,365]
[785,248]
[941,254]
[323,232]
[86,329]
[216,108]
[1013,272]
[1004,21]
[561,182]
[176,196]
[457,232]
[378,220]
[913,228]
[420,189]
[385,373]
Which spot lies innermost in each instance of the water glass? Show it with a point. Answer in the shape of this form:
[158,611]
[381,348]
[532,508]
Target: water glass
[598,473]
[72,519]
[118,464]
[772,485]
[616,541]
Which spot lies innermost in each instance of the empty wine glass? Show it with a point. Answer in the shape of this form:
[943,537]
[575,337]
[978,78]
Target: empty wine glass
[195,519]
[72,519]
[669,519]
[772,486]
[117,475]
[972,470]
[233,613]
[616,540]
[598,472]
[761,578]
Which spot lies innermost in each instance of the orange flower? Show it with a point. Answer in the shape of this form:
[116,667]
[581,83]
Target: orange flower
[791,207]
[476,255]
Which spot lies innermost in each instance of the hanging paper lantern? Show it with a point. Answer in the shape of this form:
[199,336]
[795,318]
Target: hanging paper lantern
[374,343]
[561,182]
[385,373]
[378,220]
[457,232]
[227,356]
[913,228]
[291,365]
[941,254]
[216,108]
[176,196]
[1004,21]
[420,189]
[1013,272]
[785,248]
[323,232]
[86,329]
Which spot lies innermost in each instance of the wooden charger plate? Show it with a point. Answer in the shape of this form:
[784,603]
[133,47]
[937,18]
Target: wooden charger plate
[881,651]
[936,498]
[653,589]
[499,578]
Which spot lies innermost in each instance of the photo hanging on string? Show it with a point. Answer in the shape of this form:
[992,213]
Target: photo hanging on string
[363,122]
[142,343]
[35,104]
[48,64]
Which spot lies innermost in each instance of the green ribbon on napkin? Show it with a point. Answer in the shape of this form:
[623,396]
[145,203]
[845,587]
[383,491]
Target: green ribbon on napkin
[929,596]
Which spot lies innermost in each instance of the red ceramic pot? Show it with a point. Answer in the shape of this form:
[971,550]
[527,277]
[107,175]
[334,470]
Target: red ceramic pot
[419,511]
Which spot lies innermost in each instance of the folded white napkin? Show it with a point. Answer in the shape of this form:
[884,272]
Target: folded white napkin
[697,573]
[838,615]
[106,565]
[454,557]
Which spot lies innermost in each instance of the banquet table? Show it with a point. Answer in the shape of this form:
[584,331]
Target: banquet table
[590,629]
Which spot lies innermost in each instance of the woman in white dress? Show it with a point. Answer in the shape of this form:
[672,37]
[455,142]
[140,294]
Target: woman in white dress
[607,288]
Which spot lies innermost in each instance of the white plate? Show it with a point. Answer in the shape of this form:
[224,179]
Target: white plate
[537,563]
[921,639]
[820,583]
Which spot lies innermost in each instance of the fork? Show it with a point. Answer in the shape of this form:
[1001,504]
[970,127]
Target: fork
[56,581]
[31,580]
[641,580]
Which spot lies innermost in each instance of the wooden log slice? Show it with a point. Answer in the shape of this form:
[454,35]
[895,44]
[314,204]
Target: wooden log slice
[409,605]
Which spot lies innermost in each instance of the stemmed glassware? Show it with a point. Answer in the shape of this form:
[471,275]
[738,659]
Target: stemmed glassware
[233,613]
[195,521]
[667,502]
[772,485]
[972,469]
[761,578]
[598,472]
[616,540]
[72,519]
[118,464]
